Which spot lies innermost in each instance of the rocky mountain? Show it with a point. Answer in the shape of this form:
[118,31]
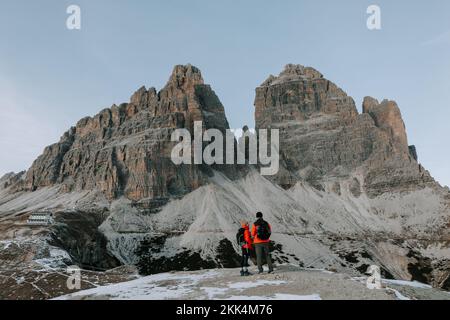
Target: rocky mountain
[350,191]
[324,137]
[125,150]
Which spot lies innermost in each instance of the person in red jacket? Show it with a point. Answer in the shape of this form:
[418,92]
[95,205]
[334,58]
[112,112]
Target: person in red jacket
[245,241]
[261,233]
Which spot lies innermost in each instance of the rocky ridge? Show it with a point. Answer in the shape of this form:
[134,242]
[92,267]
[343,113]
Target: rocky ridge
[350,191]
[323,136]
[123,150]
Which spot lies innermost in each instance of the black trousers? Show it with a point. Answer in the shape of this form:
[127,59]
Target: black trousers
[263,251]
[244,258]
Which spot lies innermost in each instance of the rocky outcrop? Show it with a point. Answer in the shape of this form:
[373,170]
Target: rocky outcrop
[125,150]
[413,153]
[322,135]
[11,179]
[387,116]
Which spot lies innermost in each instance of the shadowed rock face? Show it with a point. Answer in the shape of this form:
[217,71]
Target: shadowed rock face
[125,150]
[322,135]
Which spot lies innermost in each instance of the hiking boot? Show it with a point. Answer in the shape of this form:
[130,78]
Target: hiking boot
[246,273]
[242,273]
[270,271]
[260,272]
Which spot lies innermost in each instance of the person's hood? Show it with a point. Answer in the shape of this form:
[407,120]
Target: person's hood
[259,220]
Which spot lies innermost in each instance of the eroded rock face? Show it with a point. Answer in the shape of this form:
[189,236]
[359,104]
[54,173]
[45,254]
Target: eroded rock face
[322,135]
[11,179]
[387,116]
[125,150]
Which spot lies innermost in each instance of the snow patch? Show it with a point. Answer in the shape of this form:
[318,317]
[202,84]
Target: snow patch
[278,296]
[58,258]
[156,287]
[414,284]
[284,296]
[253,284]
[6,244]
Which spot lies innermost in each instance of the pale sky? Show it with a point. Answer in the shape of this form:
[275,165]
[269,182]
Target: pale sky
[51,77]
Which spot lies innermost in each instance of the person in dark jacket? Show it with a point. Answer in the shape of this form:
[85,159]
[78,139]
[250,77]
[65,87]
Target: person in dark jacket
[245,241]
[261,232]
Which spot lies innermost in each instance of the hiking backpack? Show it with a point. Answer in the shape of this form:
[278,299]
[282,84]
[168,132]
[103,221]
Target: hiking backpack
[263,230]
[240,237]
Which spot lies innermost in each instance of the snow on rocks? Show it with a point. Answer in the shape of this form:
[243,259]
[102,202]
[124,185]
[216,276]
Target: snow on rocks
[156,287]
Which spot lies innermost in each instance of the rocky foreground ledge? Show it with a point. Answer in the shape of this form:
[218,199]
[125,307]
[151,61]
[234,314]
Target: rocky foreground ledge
[350,191]
[289,282]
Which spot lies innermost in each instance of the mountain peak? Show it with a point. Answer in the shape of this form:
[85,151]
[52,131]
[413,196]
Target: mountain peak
[185,76]
[293,72]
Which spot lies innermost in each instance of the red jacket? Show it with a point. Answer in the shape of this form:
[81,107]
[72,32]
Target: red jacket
[247,238]
[255,234]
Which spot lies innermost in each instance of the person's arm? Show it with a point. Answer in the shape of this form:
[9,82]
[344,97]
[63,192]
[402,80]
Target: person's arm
[247,237]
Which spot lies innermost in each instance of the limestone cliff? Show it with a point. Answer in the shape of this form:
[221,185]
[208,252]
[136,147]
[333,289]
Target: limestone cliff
[125,150]
[323,136]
